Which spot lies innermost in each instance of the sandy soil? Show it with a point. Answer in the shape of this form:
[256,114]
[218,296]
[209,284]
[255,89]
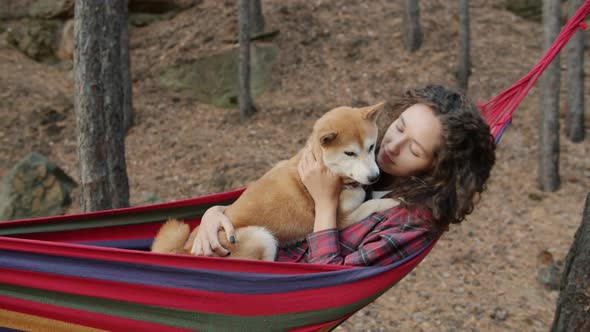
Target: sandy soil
[482,274]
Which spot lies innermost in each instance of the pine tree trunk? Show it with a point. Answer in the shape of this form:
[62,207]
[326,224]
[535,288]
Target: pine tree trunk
[98,105]
[245,98]
[574,124]
[126,68]
[256,17]
[114,103]
[549,97]
[412,33]
[464,39]
[573,305]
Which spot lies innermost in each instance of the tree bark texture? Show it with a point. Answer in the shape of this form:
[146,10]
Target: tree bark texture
[464,69]
[573,305]
[549,128]
[574,124]
[412,32]
[126,68]
[256,17]
[245,98]
[98,105]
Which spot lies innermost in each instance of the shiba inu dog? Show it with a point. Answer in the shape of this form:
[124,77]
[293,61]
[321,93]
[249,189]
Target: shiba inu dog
[277,209]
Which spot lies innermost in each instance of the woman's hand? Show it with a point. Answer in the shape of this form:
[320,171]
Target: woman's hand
[322,185]
[206,242]
[324,188]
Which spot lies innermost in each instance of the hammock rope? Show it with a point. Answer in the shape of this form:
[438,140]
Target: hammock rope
[76,272]
[498,111]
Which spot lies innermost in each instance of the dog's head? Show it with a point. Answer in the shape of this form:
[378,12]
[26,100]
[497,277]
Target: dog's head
[346,139]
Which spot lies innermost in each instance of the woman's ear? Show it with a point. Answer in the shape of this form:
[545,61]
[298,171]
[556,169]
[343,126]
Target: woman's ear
[372,112]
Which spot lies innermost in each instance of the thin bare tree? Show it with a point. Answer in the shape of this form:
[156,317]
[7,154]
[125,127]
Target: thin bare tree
[412,32]
[574,122]
[245,96]
[464,69]
[257,18]
[98,105]
[549,98]
[573,305]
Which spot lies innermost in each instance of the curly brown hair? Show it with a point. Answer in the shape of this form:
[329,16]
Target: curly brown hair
[462,163]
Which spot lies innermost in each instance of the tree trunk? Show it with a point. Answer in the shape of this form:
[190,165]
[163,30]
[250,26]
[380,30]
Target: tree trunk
[126,68]
[574,124]
[549,97]
[114,102]
[256,17]
[245,98]
[464,38]
[573,305]
[98,105]
[412,33]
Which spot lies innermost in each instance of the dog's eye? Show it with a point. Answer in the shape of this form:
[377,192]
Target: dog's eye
[371,147]
[350,153]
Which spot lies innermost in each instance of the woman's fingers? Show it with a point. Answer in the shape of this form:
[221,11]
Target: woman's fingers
[215,248]
[230,231]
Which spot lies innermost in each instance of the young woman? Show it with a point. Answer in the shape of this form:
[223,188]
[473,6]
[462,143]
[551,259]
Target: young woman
[435,156]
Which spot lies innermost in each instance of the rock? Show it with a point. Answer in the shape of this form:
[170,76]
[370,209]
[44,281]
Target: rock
[15,9]
[36,38]
[499,314]
[213,79]
[52,9]
[548,271]
[35,187]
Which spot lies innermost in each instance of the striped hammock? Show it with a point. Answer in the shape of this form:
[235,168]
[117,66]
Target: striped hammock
[92,271]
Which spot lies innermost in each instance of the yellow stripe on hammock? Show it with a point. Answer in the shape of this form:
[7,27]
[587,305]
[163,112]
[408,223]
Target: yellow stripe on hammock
[19,321]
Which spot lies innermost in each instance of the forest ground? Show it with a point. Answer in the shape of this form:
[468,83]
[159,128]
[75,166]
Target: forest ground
[481,276]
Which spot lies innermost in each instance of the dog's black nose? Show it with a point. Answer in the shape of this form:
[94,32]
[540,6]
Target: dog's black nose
[373,179]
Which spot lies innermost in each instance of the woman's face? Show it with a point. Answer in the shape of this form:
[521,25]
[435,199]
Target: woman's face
[410,142]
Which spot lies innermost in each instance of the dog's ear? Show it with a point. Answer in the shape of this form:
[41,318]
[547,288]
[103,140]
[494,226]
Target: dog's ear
[328,138]
[371,112]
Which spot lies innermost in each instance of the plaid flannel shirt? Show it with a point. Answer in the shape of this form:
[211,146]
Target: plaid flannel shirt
[381,239]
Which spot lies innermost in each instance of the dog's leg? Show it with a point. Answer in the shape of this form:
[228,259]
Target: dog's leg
[366,209]
[350,200]
[171,237]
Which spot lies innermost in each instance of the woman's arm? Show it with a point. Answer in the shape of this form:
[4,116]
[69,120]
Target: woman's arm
[323,187]
[206,242]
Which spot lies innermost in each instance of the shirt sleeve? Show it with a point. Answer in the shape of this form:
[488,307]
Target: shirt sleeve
[396,238]
[324,247]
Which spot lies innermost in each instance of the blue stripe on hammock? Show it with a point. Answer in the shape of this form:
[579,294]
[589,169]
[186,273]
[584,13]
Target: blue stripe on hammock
[497,140]
[184,278]
[137,244]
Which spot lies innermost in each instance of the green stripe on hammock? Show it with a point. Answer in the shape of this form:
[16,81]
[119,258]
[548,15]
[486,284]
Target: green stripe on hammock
[183,318]
[184,212]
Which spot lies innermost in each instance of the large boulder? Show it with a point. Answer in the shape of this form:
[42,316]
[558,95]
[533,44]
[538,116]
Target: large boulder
[213,79]
[35,187]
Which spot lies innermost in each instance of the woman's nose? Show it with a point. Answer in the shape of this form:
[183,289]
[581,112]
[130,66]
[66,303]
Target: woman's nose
[395,147]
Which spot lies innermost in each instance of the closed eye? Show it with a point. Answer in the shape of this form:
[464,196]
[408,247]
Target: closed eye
[371,147]
[350,153]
